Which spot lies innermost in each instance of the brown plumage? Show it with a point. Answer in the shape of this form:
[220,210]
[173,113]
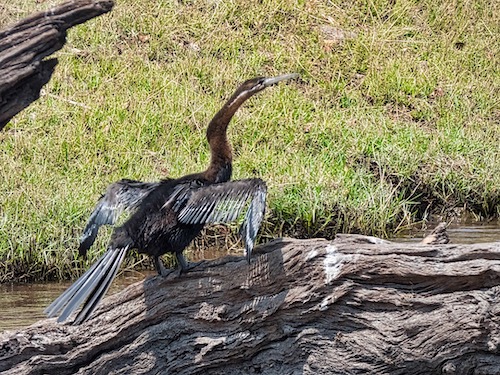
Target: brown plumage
[167,215]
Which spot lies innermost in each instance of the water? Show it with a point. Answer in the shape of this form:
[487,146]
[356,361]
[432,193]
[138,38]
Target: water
[466,233]
[22,304]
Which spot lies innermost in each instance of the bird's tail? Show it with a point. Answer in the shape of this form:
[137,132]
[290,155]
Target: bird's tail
[90,287]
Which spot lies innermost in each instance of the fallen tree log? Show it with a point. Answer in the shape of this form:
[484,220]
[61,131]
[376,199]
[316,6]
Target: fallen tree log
[353,305]
[24,45]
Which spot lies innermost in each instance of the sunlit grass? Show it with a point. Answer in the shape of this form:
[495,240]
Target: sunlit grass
[396,122]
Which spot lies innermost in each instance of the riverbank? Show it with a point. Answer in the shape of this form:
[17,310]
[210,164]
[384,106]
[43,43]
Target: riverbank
[395,117]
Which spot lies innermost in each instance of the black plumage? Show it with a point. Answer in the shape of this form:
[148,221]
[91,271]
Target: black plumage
[167,215]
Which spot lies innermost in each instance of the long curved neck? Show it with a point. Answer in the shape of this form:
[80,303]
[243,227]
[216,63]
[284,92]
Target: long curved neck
[220,167]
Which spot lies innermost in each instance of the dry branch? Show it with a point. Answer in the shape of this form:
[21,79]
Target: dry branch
[353,305]
[24,45]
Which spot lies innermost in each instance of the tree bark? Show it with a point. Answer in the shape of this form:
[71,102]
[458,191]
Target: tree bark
[353,305]
[24,45]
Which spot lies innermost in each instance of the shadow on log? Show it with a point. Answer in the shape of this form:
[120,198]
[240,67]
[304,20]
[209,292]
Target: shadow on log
[353,305]
[24,45]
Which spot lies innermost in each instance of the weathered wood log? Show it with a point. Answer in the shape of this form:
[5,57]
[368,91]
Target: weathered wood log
[353,305]
[24,45]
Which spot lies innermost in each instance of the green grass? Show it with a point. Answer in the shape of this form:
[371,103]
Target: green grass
[395,123]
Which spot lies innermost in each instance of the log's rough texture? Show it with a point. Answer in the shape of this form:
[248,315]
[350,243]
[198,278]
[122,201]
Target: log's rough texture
[24,45]
[353,305]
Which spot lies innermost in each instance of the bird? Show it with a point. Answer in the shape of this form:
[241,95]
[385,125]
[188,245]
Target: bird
[165,216]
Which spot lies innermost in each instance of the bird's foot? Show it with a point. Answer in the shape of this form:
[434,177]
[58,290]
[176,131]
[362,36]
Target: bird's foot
[160,268]
[185,268]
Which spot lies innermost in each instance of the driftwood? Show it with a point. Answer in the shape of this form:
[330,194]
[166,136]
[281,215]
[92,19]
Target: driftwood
[353,305]
[24,45]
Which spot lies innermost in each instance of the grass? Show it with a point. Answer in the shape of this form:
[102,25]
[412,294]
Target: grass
[396,122]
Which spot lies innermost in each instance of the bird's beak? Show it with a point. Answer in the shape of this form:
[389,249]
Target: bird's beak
[273,80]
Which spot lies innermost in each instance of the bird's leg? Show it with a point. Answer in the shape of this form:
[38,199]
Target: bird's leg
[183,264]
[160,268]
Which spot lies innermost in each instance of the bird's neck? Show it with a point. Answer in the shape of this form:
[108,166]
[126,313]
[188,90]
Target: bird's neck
[220,167]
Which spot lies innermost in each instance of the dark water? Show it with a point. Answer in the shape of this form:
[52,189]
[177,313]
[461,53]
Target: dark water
[22,304]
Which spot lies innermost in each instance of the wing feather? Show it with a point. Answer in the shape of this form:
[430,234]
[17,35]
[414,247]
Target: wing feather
[252,222]
[123,195]
[224,203]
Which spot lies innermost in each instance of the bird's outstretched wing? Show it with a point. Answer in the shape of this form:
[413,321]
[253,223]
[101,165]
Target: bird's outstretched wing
[123,195]
[224,203]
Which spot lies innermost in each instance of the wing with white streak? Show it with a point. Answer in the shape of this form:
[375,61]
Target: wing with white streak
[224,203]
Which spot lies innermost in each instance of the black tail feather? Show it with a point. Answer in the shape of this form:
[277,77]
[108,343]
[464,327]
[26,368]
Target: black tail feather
[98,292]
[90,287]
[91,283]
[60,302]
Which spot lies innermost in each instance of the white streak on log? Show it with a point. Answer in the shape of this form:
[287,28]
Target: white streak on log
[334,262]
[312,254]
[209,343]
